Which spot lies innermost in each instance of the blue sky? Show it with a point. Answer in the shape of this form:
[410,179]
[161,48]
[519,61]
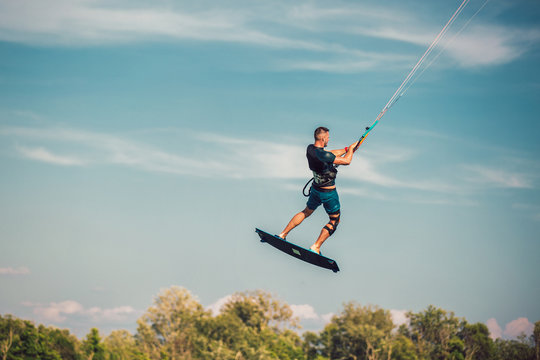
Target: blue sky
[142,142]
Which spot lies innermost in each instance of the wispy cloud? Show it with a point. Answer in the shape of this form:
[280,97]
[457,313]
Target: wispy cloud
[61,311]
[246,158]
[492,45]
[213,155]
[227,156]
[98,148]
[496,177]
[27,115]
[347,62]
[472,45]
[84,22]
[278,25]
[44,155]
[367,167]
[14,271]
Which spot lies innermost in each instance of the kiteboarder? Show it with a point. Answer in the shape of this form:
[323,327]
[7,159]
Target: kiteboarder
[323,164]
[323,190]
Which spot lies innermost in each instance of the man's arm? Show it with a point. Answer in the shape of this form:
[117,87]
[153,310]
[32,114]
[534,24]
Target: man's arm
[341,152]
[338,152]
[344,157]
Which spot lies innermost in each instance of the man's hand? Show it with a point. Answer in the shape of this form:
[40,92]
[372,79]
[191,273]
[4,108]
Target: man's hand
[342,152]
[346,158]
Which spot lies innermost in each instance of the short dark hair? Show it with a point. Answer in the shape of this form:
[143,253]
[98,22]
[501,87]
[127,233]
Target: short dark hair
[319,130]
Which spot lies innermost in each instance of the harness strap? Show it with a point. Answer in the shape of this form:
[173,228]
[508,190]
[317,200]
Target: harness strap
[305,186]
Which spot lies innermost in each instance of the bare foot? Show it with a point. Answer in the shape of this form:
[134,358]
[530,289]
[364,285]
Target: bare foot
[314,249]
[282,235]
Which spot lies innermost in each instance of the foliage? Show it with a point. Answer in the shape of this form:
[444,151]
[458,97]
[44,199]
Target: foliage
[254,325]
[403,348]
[121,345]
[477,343]
[257,326]
[92,346]
[21,339]
[435,333]
[359,332]
[536,339]
[250,326]
[171,327]
[520,349]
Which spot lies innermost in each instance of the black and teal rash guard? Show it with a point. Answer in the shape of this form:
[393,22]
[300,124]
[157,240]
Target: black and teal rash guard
[321,162]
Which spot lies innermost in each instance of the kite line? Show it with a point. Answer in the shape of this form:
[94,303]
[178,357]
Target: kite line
[445,46]
[408,80]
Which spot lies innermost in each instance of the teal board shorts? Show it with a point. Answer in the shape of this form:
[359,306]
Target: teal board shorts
[329,199]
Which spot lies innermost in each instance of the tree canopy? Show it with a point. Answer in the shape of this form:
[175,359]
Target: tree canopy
[257,325]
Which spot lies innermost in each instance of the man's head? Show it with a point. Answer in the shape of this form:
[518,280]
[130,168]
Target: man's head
[322,135]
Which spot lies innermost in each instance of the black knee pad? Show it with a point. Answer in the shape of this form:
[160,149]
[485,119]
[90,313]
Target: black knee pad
[334,222]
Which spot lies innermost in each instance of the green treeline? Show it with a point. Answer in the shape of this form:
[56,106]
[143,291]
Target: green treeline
[255,325]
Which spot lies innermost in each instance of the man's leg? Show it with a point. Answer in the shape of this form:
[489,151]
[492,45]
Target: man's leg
[295,221]
[326,231]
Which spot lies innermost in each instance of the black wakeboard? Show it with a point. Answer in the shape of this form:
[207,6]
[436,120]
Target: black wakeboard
[297,251]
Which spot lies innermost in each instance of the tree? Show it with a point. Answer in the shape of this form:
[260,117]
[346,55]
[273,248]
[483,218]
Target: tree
[403,348]
[254,325]
[359,332]
[435,333]
[170,328]
[92,346]
[478,344]
[6,336]
[520,349]
[312,346]
[121,345]
[456,349]
[65,344]
[20,339]
[260,309]
[536,337]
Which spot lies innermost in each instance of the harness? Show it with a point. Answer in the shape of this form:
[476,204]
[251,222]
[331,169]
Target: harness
[327,178]
[321,164]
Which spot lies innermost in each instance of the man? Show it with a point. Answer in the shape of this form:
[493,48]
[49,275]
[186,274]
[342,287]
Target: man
[323,191]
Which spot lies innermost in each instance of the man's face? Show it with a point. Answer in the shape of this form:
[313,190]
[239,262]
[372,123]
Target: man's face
[326,138]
